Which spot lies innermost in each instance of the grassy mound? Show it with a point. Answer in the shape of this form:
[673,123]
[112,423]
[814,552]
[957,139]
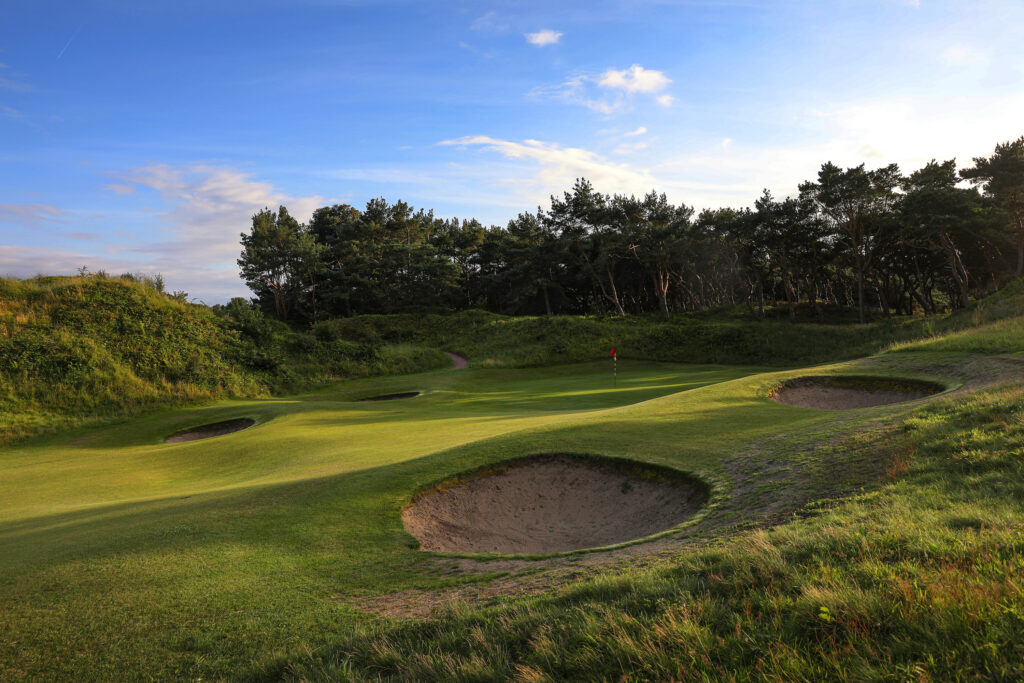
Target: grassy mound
[77,348]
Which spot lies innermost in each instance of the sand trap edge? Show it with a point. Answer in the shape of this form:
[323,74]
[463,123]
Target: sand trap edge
[206,431]
[392,397]
[711,495]
[913,389]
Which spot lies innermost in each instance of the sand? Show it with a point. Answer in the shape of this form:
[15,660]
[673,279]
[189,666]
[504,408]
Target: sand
[458,362]
[554,504]
[210,430]
[822,393]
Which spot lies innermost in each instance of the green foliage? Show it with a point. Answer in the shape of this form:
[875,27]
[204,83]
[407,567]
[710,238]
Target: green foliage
[500,341]
[74,349]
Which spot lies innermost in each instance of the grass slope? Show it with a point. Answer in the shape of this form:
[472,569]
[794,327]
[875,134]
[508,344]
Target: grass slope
[239,556]
[75,349]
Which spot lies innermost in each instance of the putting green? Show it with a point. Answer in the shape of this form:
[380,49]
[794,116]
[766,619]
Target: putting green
[123,555]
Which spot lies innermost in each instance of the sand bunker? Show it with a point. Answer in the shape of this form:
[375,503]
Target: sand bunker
[552,504]
[392,397]
[210,430]
[846,393]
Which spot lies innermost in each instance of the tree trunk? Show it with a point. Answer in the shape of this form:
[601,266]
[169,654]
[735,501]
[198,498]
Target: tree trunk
[860,285]
[661,281]
[615,294]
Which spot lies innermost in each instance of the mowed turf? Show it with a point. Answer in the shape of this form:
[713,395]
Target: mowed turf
[124,557]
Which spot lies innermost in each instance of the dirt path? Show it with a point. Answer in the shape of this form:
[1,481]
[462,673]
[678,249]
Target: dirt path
[458,362]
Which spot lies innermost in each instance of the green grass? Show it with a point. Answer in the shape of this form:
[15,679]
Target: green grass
[122,553]
[75,350]
[881,543]
[919,579]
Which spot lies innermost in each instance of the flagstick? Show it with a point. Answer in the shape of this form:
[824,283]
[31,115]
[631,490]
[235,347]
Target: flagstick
[615,371]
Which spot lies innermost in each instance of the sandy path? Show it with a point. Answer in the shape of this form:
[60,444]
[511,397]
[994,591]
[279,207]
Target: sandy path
[458,362]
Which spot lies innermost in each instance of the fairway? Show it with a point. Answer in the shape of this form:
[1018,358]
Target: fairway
[205,558]
[118,549]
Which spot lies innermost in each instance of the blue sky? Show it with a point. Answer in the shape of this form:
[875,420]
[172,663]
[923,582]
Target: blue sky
[142,136]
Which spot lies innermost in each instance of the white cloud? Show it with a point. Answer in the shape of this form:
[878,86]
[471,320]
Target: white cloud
[633,133]
[575,91]
[200,212]
[119,188]
[552,168]
[591,91]
[906,131]
[543,37]
[634,79]
[206,207]
[726,143]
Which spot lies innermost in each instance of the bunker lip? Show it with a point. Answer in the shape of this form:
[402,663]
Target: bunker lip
[551,503]
[849,392]
[392,397]
[211,430]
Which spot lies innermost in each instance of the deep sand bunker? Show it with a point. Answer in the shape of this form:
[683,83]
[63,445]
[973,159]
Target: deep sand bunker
[210,430]
[552,504]
[846,393]
[392,397]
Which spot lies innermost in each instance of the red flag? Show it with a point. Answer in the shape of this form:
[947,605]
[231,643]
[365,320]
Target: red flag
[613,350]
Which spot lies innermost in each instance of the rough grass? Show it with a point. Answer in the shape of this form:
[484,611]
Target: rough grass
[919,579]
[81,349]
[492,340]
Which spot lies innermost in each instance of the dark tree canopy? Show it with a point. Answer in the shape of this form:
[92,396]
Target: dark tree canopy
[872,240]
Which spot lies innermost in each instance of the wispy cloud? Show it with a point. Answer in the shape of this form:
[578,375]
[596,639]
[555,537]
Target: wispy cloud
[200,211]
[121,188]
[610,91]
[31,214]
[634,79]
[543,37]
[551,167]
[12,81]
[206,207]
[489,21]
[633,133]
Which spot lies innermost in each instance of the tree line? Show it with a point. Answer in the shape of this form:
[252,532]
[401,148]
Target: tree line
[873,240]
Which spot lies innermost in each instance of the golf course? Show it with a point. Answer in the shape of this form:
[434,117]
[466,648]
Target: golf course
[862,542]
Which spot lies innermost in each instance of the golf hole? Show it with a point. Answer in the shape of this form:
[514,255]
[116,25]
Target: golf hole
[392,397]
[847,393]
[211,430]
[552,503]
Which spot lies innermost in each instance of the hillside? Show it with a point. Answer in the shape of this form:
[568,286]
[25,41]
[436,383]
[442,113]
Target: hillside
[75,349]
